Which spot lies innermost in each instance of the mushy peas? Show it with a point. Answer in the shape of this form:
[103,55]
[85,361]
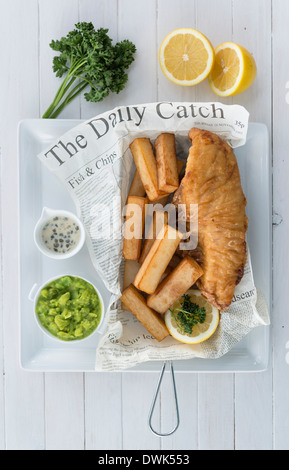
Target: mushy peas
[69,308]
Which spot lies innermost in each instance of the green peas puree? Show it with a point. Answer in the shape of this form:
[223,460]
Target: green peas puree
[69,308]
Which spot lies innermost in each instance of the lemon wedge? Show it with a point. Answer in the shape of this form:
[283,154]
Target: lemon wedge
[201,331]
[186,56]
[234,70]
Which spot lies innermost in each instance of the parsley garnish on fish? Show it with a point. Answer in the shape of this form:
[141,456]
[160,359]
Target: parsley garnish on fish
[189,315]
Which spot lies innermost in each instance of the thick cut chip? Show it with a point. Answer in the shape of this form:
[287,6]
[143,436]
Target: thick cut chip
[145,162]
[131,268]
[167,168]
[175,285]
[151,320]
[157,260]
[160,218]
[134,227]
[137,188]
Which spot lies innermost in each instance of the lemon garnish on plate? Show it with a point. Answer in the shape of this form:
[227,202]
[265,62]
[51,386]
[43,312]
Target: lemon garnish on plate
[186,56]
[191,319]
[234,70]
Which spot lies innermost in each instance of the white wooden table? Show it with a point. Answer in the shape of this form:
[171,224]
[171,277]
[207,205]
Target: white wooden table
[109,411]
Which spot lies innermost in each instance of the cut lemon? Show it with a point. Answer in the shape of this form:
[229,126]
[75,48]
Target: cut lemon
[234,70]
[186,57]
[200,331]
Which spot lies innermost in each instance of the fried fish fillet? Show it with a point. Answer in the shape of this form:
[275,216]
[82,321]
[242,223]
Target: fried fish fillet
[212,180]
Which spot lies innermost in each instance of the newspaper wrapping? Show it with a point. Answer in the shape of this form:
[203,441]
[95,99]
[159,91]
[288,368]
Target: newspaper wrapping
[94,163]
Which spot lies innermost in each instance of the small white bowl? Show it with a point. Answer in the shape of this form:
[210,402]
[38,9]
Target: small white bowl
[45,216]
[34,295]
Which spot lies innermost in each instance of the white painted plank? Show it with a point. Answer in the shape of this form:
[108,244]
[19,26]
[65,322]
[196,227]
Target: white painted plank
[24,393]
[64,415]
[103,418]
[254,419]
[103,411]
[280,233]
[253,31]
[216,412]
[56,19]
[24,410]
[102,14]
[137,394]
[254,412]
[171,16]
[214,20]
[137,22]
[216,392]
[2,396]
[186,436]
[64,410]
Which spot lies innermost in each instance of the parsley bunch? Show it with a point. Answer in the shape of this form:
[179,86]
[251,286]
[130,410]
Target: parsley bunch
[88,59]
[189,315]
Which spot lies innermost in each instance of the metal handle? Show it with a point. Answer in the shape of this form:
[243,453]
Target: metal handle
[155,399]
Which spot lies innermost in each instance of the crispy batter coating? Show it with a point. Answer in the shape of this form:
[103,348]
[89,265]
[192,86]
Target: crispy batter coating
[212,180]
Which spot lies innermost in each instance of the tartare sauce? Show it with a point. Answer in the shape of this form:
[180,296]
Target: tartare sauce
[60,234]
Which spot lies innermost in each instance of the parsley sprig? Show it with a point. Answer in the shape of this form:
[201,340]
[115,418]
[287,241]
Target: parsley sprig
[88,59]
[189,315]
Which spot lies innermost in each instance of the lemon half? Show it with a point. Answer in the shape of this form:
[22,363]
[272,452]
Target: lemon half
[234,70]
[186,56]
[201,331]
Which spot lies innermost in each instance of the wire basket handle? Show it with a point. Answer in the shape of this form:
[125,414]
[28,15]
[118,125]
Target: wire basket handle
[156,396]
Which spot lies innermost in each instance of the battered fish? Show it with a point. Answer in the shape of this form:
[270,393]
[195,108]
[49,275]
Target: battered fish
[212,180]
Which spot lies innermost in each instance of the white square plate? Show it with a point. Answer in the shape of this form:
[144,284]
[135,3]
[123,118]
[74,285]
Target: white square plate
[39,188]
